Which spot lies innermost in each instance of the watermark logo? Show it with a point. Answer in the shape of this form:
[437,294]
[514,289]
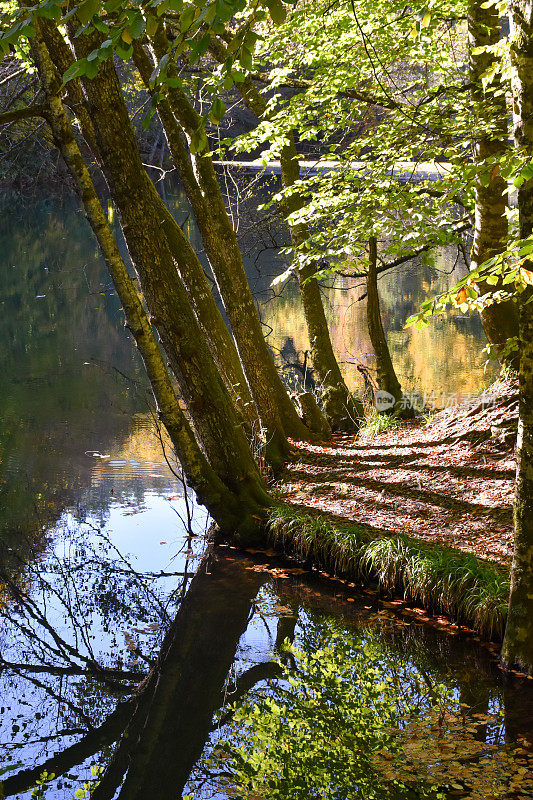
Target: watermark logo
[384,400]
[431,400]
[434,401]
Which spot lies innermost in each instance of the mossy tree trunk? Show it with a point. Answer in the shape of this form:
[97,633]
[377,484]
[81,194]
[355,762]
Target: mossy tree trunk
[225,507]
[342,410]
[276,411]
[387,379]
[141,212]
[261,404]
[207,313]
[518,641]
[500,320]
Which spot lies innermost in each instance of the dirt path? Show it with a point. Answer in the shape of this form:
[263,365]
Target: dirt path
[449,482]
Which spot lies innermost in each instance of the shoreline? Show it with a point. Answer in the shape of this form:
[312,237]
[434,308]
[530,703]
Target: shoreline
[425,510]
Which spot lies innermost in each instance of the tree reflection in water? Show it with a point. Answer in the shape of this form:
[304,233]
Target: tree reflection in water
[103,664]
[157,703]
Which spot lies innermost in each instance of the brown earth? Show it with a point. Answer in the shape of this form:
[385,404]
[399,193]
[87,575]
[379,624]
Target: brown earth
[450,481]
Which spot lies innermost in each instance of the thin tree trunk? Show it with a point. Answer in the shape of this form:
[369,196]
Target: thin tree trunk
[343,411]
[500,320]
[276,411]
[386,375]
[518,641]
[222,505]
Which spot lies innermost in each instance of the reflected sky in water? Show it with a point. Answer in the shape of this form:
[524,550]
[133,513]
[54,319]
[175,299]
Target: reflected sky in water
[93,518]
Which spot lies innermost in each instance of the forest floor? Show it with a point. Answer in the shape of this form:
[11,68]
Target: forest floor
[450,481]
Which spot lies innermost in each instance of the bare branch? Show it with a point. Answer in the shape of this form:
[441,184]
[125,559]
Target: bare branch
[12,76]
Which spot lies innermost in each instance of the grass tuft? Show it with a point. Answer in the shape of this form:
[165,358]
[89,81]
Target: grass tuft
[471,591]
[375,423]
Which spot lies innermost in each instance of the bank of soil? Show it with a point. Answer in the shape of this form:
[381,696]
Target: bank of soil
[450,481]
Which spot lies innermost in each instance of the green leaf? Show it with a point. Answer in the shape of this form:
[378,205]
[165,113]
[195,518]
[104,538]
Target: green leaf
[277,10]
[246,59]
[187,18]
[50,11]
[218,109]
[87,10]
[159,68]
[137,27]
[75,70]
[152,25]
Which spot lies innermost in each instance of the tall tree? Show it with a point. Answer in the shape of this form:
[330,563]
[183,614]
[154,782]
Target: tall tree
[276,411]
[500,320]
[342,410]
[386,374]
[201,477]
[518,641]
[263,405]
[207,398]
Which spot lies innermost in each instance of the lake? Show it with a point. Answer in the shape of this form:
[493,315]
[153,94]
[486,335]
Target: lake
[101,542]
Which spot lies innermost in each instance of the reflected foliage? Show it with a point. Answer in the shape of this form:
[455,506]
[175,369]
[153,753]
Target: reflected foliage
[353,718]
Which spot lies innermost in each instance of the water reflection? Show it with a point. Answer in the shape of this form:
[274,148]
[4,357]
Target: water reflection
[443,360]
[109,661]
[98,546]
[72,383]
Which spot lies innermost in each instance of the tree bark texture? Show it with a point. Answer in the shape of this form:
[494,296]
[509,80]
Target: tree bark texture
[500,320]
[276,411]
[142,212]
[342,410]
[201,477]
[518,641]
[209,317]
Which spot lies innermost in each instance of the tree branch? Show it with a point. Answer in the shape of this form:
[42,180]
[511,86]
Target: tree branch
[23,113]
[66,759]
[462,225]
[12,76]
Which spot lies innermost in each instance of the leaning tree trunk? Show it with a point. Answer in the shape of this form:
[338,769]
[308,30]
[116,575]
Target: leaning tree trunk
[210,490]
[209,317]
[386,376]
[518,641]
[207,214]
[276,411]
[342,410]
[500,320]
[139,206]
[178,699]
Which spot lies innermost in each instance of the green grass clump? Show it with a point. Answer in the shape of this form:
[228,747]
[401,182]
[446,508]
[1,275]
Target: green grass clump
[470,591]
[375,423]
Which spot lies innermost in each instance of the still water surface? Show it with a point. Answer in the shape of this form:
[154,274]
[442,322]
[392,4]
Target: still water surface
[96,528]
